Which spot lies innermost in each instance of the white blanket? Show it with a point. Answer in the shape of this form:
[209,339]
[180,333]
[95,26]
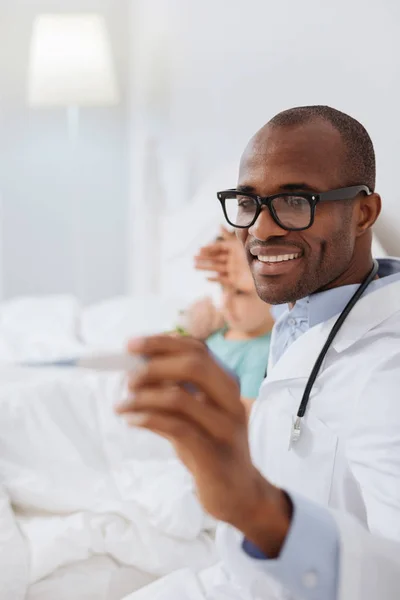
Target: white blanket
[97,507]
[214,583]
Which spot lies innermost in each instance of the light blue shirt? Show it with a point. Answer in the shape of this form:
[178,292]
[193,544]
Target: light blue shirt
[247,358]
[308,564]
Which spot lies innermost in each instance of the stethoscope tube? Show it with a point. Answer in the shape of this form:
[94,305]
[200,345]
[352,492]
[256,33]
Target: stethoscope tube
[318,363]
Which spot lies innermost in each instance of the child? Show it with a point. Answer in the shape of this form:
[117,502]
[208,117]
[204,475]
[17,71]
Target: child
[238,334]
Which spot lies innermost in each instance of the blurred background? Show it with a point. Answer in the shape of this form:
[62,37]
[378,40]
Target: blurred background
[119,119]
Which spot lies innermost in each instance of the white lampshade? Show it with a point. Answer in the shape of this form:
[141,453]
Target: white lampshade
[71,62]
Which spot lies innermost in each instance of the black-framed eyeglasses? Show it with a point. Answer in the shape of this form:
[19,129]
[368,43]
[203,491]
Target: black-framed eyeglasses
[293,211]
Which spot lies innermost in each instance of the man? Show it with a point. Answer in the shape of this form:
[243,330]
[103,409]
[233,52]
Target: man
[304,207]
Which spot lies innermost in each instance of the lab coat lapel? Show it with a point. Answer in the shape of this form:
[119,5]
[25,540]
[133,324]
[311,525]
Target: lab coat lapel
[272,421]
[299,359]
[369,312]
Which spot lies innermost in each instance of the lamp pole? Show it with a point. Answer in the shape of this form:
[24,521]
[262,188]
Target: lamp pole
[77,231]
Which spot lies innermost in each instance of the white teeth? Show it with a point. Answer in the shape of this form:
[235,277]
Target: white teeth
[278,258]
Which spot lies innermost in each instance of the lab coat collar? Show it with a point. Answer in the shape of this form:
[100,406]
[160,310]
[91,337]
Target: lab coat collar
[324,305]
[369,312]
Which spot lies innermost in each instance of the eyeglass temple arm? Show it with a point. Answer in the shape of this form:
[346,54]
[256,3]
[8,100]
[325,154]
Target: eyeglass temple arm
[343,194]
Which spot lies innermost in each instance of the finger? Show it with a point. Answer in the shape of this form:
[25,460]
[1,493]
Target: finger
[175,400]
[185,360]
[215,249]
[211,261]
[163,344]
[222,278]
[212,267]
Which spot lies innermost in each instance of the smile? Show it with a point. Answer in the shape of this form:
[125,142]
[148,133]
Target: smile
[278,258]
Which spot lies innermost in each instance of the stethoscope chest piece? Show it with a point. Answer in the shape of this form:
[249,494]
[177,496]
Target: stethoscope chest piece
[295,431]
[296,424]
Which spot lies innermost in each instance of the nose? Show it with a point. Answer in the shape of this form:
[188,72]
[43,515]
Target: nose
[265,227]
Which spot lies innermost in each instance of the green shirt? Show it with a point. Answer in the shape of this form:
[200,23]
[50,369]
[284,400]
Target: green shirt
[247,358]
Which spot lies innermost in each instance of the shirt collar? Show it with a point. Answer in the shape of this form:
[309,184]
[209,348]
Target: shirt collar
[322,306]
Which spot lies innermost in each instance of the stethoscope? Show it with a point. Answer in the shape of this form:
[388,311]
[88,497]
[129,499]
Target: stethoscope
[296,429]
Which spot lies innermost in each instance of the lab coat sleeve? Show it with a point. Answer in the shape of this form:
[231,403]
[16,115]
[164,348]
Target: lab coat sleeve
[310,555]
[327,555]
[14,559]
[308,565]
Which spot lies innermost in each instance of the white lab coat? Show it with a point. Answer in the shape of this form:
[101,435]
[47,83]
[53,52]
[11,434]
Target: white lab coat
[348,456]
[369,565]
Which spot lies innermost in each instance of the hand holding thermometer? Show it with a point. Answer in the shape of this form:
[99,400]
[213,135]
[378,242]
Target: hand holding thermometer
[117,362]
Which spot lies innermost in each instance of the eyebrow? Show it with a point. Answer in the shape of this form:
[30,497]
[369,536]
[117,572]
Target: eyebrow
[289,187]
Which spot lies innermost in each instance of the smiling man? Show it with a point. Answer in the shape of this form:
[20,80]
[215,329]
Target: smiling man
[303,209]
[302,249]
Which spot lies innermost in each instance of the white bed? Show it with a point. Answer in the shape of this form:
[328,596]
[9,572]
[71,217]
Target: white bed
[87,513]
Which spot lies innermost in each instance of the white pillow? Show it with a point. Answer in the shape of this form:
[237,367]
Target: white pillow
[110,324]
[39,327]
[185,231]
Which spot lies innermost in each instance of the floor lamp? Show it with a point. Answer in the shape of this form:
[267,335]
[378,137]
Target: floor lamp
[71,66]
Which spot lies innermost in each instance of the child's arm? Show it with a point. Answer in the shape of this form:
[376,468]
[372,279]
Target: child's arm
[202,319]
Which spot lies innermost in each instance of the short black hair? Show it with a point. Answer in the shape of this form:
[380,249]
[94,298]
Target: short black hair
[360,154]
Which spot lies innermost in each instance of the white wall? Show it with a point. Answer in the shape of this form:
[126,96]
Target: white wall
[228,65]
[43,185]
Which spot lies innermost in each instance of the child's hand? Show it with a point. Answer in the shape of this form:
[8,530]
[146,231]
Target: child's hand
[226,258]
[202,319]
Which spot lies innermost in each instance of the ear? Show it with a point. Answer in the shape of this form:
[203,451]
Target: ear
[369,208]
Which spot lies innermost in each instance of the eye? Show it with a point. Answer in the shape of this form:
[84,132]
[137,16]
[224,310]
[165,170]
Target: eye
[245,202]
[295,202]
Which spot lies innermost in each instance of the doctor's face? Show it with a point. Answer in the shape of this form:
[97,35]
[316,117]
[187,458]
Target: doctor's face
[298,158]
